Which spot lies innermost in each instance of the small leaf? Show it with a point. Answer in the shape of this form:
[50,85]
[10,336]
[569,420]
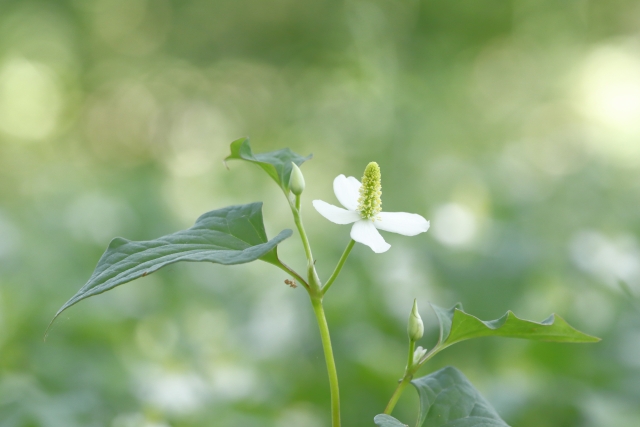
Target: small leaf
[448,399]
[232,235]
[275,163]
[456,326]
[384,420]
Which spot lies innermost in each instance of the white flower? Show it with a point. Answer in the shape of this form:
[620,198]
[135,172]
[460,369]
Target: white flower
[362,203]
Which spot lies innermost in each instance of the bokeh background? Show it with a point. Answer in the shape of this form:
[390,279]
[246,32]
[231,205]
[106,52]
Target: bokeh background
[514,126]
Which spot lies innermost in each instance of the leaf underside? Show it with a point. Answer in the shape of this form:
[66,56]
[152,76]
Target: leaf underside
[384,420]
[232,235]
[448,399]
[456,326]
[277,164]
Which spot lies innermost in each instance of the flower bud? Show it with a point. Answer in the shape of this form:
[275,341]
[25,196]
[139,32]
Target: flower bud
[416,327]
[296,180]
[418,354]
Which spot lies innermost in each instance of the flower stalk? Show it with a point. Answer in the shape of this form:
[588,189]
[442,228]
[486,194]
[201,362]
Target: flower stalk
[339,266]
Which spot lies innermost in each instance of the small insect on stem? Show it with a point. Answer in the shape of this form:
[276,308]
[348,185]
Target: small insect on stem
[291,283]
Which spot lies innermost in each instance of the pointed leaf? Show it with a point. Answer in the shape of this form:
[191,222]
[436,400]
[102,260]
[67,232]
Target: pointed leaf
[275,163]
[456,326]
[445,317]
[448,399]
[384,420]
[232,235]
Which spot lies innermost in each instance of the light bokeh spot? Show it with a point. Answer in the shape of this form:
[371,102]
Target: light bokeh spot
[454,225]
[610,260]
[30,100]
[611,87]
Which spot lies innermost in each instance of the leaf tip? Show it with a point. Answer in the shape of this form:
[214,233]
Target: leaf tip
[116,242]
[286,233]
[584,337]
[235,148]
[306,159]
[46,332]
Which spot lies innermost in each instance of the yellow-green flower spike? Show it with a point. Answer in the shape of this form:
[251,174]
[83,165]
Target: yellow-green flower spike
[369,203]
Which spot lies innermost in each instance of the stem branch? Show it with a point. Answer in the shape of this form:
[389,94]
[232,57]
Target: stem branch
[314,281]
[406,378]
[396,395]
[338,268]
[409,372]
[293,274]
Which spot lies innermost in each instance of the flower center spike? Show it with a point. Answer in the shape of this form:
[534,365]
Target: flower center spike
[369,203]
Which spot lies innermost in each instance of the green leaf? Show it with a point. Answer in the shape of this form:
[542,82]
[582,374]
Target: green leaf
[384,420]
[275,163]
[456,326]
[232,235]
[448,399]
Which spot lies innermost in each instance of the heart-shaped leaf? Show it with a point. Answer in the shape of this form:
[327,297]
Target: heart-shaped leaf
[384,420]
[448,399]
[275,163]
[456,326]
[232,235]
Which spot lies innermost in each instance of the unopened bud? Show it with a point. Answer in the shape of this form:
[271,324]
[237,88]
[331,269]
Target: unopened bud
[416,327]
[296,180]
[418,354]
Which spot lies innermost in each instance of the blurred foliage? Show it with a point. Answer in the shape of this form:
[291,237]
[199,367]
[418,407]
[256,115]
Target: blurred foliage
[513,125]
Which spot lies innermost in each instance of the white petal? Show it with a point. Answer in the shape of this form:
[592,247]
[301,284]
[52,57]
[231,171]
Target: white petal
[365,232]
[336,214]
[402,223]
[347,191]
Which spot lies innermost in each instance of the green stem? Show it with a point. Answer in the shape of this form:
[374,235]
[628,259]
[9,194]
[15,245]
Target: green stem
[406,378]
[409,372]
[412,349]
[314,281]
[314,288]
[396,395]
[328,355]
[303,235]
[338,268]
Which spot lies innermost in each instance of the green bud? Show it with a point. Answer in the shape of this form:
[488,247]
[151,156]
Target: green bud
[416,327]
[296,180]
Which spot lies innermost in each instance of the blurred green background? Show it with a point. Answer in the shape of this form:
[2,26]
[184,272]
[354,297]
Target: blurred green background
[514,126]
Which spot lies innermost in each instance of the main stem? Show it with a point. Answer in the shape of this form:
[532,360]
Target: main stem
[328,355]
[315,293]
